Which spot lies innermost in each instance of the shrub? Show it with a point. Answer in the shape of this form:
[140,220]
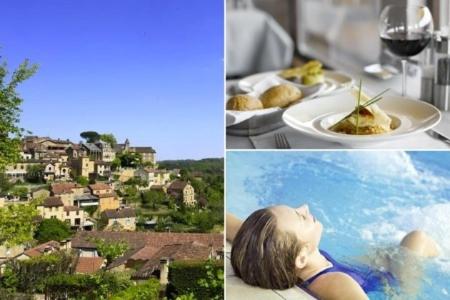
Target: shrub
[146,291]
[52,229]
[203,279]
[29,276]
[85,286]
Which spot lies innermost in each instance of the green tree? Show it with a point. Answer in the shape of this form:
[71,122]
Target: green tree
[17,224]
[146,291]
[130,159]
[115,164]
[110,250]
[35,173]
[5,184]
[10,131]
[108,138]
[81,180]
[52,229]
[20,191]
[90,136]
[152,198]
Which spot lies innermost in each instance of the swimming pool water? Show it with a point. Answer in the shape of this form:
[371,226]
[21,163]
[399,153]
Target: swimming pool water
[364,199]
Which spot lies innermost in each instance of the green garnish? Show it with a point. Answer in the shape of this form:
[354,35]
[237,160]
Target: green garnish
[367,104]
[357,106]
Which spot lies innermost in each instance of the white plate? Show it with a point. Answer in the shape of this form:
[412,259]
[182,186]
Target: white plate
[334,81]
[313,118]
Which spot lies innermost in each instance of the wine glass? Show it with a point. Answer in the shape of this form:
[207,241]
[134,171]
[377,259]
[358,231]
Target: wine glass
[406,31]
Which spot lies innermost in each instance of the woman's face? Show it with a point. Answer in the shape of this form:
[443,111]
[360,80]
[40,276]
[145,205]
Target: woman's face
[299,221]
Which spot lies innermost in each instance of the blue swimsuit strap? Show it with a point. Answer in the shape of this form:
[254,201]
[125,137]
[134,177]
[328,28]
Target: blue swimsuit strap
[332,268]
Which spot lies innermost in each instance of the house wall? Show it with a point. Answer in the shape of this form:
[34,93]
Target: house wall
[71,216]
[51,212]
[126,223]
[108,203]
[189,195]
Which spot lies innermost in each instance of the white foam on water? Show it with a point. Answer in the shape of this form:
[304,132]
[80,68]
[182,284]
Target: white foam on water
[433,219]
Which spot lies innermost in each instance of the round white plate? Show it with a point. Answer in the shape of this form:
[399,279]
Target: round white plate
[334,81]
[313,118]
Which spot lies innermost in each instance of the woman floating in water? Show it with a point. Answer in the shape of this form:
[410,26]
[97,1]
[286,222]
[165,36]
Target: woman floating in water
[278,247]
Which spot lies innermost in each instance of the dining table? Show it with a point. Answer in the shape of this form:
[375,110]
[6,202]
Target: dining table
[438,138]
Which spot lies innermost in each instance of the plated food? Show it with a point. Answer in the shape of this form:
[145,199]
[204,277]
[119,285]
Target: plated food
[308,74]
[366,118]
[282,95]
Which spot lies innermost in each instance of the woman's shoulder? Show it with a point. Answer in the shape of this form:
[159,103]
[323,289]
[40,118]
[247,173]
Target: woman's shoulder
[336,286]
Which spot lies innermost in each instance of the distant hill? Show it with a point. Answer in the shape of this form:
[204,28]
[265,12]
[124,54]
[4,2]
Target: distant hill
[207,165]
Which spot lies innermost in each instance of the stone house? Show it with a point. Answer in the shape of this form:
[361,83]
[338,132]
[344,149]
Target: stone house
[107,198]
[148,153]
[67,192]
[120,219]
[84,166]
[107,152]
[53,207]
[56,171]
[182,191]
[19,170]
[103,168]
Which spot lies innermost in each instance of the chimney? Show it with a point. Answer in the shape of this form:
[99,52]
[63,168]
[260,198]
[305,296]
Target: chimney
[164,271]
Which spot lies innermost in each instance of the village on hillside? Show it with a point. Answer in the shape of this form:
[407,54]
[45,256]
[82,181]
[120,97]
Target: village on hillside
[99,208]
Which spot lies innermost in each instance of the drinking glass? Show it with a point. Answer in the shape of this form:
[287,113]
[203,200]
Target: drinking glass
[406,31]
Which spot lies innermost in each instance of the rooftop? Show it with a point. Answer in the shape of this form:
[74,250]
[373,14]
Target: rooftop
[89,265]
[53,202]
[120,213]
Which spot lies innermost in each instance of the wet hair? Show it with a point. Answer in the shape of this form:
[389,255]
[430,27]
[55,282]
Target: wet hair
[264,256]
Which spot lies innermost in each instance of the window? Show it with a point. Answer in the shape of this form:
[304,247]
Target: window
[67,213]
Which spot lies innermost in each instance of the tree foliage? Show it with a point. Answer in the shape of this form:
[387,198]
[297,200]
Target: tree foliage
[110,250]
[146,291]
[35,173]
[30,276]
[99,286]
[52,229]
[17,224]
[130,159]
[10,101]
[108,138]
[81,180]
[90,136]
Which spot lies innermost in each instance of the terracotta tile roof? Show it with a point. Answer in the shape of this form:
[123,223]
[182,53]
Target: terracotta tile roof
[144,253]
[119,213]
[63,188]
[84,239]
[185,251]
[89,265]
[106,195]
[177,186]
[49,246]
[52,202]
[71,208]
[100,186]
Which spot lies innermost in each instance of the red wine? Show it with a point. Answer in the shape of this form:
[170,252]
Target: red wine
[403,44]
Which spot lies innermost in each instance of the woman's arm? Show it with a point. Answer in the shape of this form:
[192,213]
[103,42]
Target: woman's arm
[232,226]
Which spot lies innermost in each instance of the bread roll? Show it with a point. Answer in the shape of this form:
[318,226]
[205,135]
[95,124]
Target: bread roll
[244,102]
[280,96]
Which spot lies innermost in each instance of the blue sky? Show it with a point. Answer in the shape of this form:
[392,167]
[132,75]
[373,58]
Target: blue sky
[151,71]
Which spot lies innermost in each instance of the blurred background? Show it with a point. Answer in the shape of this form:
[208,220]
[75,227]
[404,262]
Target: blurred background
[266,35]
